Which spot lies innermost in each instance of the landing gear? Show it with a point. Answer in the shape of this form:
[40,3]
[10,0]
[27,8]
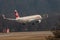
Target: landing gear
[33,23]
[23,24]
[37,21]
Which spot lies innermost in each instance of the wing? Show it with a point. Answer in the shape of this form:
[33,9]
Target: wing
[10,19]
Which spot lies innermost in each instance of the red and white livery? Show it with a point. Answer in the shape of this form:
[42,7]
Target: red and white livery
[32,18]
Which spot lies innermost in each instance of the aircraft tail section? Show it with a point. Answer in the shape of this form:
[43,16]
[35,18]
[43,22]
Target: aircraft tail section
[3,16]
[16,14]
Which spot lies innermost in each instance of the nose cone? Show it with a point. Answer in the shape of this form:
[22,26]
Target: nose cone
[40,17]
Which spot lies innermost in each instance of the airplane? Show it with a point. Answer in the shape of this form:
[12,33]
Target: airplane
[26,19]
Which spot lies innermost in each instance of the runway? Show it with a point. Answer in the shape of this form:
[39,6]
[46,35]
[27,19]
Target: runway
[26,35]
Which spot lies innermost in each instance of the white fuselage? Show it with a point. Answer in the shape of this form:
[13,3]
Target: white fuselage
[33,18]
[29,18]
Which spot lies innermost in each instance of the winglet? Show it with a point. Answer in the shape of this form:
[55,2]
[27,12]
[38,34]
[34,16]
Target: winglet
[45,16]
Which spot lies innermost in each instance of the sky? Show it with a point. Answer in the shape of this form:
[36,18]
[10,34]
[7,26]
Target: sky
[29,7]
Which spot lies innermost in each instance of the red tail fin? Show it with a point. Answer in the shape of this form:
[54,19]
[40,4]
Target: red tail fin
[16,14]
[3,16]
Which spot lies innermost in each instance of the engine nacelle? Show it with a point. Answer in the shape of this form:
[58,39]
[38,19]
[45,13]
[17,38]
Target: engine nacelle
[39,21]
